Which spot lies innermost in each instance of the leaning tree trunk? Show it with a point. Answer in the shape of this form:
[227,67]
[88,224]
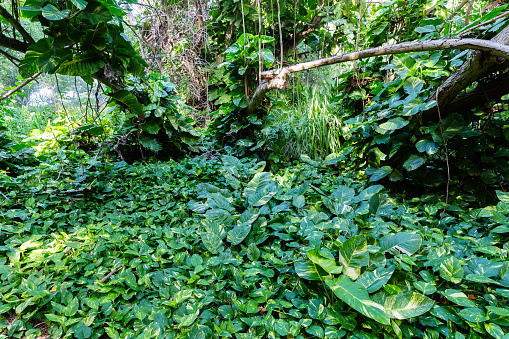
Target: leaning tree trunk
[478,66]
[494,51]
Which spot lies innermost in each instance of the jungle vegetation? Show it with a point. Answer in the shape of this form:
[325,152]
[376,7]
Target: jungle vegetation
[254,169]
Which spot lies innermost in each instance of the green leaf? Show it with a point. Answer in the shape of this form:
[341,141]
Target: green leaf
[239,233]
[151,126]
[95,12]
[498,310]
[494,330]
[211,241]
[458,298]
[408,243]
[130,280]
[373,281]
[52,13]
[428,146]
[407,305]
[299,201]
[316,331]
[85,64]
[414,162]
[452,270]
[407,60]
[413,86]
[128,100]
[394,124]
[83,332]
[353,254]
[327,263]
[97,37]
[282,327]
[451,125]
[316,310]
[503,196]
[310,271]
[150,144]
[80,4]
[253,253]
[72,308]
[473,314]
[260,189]
[424,287]
[380,173]
[356,296]
[343,195]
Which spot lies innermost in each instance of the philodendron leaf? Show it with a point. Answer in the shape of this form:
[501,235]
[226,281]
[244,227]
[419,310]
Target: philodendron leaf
[239,233]
[473,314]
[407,305]
[81,4]
[380,173]
[394,124]
[52,13]
[253,253]
[356,296]
[310,271]
[459,298]
[354,254]
[260,189]
[408,243]
[452,270]
[84,65]
[414,162]
[328,264]
[373,281]
[424,287]
[127,99]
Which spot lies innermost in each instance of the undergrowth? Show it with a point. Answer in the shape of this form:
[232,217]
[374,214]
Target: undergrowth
[209,248]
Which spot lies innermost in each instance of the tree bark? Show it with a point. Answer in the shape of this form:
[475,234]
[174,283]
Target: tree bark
[17,25]
[476,67]
[276,78]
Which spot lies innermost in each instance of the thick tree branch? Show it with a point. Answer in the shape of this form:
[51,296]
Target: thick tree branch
[13,44]
[276,78]
[20,86]
[17,25]
[492,90]
[478,66]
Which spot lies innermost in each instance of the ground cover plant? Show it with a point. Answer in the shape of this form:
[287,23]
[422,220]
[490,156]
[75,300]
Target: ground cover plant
[210,248]
[294,169]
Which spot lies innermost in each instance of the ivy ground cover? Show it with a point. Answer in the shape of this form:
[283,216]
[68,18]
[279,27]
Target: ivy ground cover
[223,248]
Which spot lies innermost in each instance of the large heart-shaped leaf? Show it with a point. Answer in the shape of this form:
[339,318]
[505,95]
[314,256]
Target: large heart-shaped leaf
[328,263]
[310,271]
[84,64]
[356,296]
[407,305]
[127,99]
[239,233]
[354,254]
[52,13]
[408,243]
[374,280]
[452,270]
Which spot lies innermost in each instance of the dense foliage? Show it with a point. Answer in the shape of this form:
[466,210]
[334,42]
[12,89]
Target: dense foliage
[211,248]
[355,205]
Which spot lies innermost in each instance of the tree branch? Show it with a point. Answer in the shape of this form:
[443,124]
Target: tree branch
[276,78]
[13,44]
[17,25]
[476,67]
[20,86]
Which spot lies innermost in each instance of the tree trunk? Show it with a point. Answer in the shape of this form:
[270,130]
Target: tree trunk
[476,67]
[276,78]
